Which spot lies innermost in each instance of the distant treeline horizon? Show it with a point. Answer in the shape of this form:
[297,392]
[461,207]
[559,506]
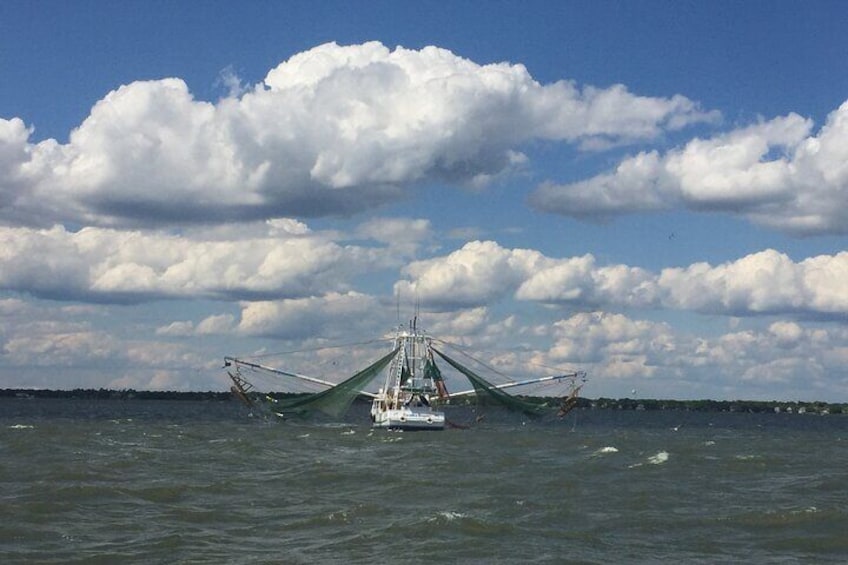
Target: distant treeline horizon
[705,405]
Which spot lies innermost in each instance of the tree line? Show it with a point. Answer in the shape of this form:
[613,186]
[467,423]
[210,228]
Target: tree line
[752,406]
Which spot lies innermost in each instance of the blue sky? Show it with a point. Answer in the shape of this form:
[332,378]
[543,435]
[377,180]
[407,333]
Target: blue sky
[652,192]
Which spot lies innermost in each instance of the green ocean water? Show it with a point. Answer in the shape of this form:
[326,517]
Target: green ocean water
[113,481]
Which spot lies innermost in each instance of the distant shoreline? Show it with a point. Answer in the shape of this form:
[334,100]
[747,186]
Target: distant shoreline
[750,406]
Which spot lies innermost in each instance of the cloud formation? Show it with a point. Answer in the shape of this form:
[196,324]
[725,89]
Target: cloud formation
[333,314]
[776,173]
[157,195]
[664,362]
[767,282]
[50,345]
[98,265]
[333,130]
[106,265]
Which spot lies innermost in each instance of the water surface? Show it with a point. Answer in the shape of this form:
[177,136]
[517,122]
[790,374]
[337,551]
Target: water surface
[146,481]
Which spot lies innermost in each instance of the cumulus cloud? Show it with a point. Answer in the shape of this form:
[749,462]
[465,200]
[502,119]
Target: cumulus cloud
[663,362]
[42,342]
[176,329]
[479,272]
[460,324]
[613,339]
[403,235]
[45,344]
[621,352]
[53,347]
[333,130]
[12,306]
[106,265]
[767,282]
[775,173]
[216,324]
[580,280]
[762,283]
[334,314]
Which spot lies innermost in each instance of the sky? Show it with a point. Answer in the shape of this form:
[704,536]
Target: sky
[654,192]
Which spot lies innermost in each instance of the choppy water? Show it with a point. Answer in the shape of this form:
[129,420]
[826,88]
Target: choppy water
[193,482]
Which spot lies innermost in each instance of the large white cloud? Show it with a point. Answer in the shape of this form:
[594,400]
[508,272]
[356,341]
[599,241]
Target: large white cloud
[764,282]
[334,314]
[580,280]
[479,272]
[776,173]
[614,339]
[106,265]
[784,360]
[335,129]
[282,259]
[767,282]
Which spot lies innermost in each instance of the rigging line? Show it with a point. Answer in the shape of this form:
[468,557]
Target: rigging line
[509,378]
[550,368]
[483,363]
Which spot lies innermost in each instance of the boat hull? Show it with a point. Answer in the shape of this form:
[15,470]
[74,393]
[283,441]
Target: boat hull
[408,419]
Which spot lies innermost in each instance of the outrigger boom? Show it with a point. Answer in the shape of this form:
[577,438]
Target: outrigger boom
[575,375]
[228,361]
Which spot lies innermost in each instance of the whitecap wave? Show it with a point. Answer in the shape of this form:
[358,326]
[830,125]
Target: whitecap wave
[448,516]
[659,458]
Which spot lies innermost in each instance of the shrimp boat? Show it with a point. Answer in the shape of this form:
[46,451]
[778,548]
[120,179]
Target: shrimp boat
[405,400]
[413,392]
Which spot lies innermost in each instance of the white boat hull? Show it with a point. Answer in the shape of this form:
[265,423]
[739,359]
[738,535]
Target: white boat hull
[408,419]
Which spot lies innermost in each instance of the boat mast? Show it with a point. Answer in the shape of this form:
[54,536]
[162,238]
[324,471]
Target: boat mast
[395,376]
